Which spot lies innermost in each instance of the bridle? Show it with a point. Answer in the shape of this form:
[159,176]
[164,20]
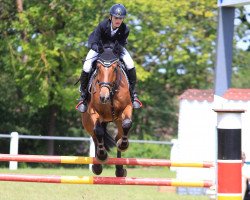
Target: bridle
[112,86]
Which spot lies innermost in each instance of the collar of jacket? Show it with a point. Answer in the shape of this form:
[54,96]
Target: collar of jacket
[108,27]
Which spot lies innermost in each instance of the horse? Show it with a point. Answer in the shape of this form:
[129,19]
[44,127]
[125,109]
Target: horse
[110,101]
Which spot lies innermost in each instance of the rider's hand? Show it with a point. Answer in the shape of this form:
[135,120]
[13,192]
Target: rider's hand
[97,48]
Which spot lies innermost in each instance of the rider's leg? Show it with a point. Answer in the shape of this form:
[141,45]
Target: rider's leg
[132,78]
[84,79]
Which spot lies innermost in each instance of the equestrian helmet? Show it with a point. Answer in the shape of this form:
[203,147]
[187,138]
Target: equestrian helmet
[118,10]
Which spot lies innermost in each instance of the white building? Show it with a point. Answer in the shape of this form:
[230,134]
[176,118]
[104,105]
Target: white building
[197,130]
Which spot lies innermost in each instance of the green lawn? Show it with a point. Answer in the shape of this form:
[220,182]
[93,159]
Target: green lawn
[40,191]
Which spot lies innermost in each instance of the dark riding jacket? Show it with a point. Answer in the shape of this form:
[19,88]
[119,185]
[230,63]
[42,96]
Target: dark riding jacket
[103,33]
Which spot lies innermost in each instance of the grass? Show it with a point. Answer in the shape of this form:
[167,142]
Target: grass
[40,191]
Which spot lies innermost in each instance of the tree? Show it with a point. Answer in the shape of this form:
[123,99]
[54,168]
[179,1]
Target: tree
[42,46]
[175,43]
[241,69]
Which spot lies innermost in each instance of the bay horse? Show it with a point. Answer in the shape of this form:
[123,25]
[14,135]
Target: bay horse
[110,101]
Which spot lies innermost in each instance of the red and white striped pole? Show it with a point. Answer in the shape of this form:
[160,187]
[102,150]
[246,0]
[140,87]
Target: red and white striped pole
[229,154]
[110,161]
[103,180]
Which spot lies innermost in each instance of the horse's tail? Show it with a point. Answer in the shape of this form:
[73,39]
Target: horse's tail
[109,141]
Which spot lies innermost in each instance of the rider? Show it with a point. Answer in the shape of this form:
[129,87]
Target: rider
[108,31]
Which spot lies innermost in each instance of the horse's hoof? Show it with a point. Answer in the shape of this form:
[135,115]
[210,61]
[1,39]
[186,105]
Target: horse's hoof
[121,172]
[97,169]
[102,156]
[121,145]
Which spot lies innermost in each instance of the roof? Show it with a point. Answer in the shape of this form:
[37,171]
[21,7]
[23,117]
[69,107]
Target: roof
[235,94]
[199,95]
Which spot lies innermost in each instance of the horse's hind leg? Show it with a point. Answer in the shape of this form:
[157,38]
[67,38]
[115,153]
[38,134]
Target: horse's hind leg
[97,169]
[120,171]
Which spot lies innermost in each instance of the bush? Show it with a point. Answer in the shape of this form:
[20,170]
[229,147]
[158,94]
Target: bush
[137,150]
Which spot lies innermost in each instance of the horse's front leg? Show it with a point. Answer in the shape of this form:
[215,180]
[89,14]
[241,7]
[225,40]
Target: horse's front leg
[101,153]
[123,143]
[89,121]
[96,168]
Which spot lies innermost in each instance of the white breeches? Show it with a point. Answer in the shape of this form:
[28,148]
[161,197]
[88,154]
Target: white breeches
[92,54]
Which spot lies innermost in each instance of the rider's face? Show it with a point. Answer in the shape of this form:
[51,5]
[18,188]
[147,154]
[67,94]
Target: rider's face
[116,22]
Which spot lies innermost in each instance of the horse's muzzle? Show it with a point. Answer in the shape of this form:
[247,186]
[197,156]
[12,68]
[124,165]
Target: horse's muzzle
[105,99]
[105,92]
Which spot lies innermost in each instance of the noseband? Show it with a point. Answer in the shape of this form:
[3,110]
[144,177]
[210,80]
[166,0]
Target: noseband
[108,85]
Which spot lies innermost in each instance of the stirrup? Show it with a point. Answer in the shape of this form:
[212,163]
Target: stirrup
[137,103]
[81,107]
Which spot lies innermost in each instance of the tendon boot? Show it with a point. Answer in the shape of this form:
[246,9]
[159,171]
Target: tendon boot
[132,81]
[82,105]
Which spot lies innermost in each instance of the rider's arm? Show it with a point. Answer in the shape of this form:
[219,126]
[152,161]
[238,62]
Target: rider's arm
[124,41]
[95,37]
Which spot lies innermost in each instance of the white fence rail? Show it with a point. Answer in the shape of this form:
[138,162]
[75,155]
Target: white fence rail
[14,141]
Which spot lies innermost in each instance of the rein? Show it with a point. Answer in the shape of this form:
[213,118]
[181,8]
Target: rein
[113,91]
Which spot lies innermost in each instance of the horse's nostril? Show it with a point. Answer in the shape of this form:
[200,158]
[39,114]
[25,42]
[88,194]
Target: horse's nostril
[104,99]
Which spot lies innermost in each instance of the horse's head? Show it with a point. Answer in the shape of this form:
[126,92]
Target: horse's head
[107,68]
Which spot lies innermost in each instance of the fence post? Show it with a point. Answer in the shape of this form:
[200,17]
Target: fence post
[91,151]
[13,150]
[229,161]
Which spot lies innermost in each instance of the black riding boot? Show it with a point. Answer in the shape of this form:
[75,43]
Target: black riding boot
[82,105]
[132,81]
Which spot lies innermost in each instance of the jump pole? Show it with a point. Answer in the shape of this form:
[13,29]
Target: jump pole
[229,161]
[103,180]
[110,161]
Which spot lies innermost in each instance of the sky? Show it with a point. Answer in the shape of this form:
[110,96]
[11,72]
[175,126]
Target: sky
[243,43]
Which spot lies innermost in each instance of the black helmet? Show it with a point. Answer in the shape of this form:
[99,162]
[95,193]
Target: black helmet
[118,10]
